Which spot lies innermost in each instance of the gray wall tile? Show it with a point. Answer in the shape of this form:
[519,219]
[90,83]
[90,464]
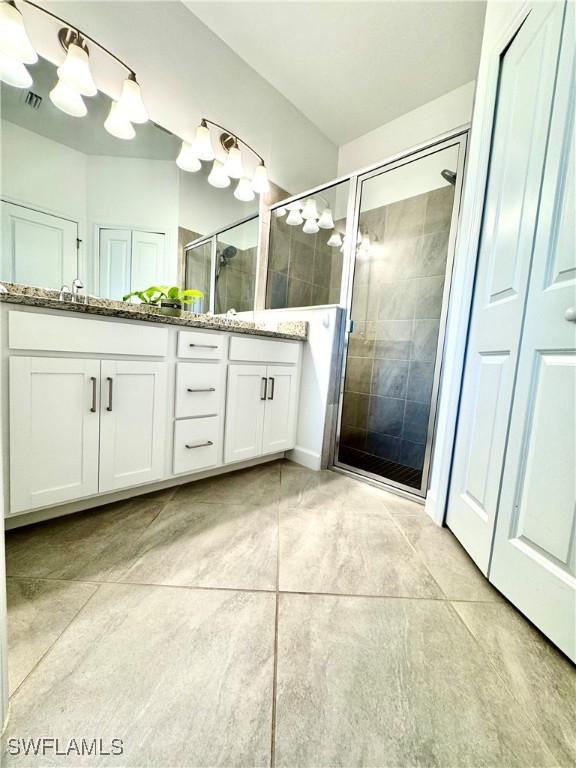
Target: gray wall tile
[386,415]
[389,378]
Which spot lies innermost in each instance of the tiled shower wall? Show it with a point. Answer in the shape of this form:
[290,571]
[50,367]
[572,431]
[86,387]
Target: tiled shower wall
[396,308]
[302,270]
[236,281]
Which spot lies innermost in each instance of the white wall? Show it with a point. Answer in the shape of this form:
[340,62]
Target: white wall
[449,111]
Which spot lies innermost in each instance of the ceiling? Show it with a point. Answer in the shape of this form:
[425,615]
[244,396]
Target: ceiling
[353,66]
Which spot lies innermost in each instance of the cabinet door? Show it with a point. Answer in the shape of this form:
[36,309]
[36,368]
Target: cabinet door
[53,431]
[38,248]
[132,423]
[280,411]
[245,412]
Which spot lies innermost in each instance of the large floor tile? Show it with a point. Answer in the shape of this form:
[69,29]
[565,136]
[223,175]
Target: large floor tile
[243,486]
[38,613]
[349,552]
[183,677]
[193,543]
[381,682]
[540,677]
[446,559]
[90,546]
[302,488]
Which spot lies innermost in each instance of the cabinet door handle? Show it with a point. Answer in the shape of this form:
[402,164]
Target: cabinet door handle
[205,346]
[265,382]
[200,389]
[200,445]
[93,380]
[271,395]
[110,391]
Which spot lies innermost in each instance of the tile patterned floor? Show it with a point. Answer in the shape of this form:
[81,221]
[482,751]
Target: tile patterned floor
[275,616]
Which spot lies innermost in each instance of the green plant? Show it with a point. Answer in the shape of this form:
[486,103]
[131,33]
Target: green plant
[157,293]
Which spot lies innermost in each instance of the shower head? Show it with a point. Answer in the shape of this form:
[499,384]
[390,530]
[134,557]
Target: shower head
[450,176]
[228,253]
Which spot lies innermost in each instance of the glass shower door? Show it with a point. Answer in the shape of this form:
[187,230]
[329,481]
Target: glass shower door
[397,307]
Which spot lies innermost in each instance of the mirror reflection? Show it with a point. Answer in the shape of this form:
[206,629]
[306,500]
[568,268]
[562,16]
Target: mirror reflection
[80,203]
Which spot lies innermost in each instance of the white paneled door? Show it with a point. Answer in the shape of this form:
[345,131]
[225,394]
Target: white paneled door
[147,259]
[133,423]
[534,556]
[527,77]
[54,427]
[115,262]
[38,248]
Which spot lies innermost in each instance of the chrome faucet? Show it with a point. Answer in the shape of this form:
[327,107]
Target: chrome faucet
[77,286]
[64,293]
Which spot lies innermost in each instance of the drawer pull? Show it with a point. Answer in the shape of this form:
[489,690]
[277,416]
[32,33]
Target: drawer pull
[200,389]
[265,382]
[200,445]
[93,380]
[110,386]
[271,395]
[204,346]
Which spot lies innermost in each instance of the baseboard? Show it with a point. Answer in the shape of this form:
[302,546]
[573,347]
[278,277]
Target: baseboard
[305,457]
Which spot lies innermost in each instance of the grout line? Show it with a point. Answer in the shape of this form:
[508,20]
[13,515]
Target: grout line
[275,671]
[386,597]
[140,584]
[49,649]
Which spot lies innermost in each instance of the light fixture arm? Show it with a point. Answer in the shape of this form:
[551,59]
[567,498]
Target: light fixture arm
[81,35]
[230,133]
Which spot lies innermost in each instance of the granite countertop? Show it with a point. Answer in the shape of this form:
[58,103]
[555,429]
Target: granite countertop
[42,297]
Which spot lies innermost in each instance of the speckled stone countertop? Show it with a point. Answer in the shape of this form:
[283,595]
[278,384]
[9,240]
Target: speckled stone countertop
[42,297]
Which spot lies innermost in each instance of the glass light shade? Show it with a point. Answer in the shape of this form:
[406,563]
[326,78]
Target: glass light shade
[14,40]
[244,191]
[131,102]
[294,206]
[75,72]
[233,165]
[365,242]
[280,212]
[187,159]
[335,240]
[294,218]
[310,210]
[218,177]
[13,72]
[118,124]
[260,183]
[202,144]
[310,227]
[68,100]
[326,221]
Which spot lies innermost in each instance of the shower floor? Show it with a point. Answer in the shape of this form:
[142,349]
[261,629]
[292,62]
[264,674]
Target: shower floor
[387,470]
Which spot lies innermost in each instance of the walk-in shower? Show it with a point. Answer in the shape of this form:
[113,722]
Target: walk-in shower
[399,283]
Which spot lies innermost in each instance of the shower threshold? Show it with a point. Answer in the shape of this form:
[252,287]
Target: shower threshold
[379,469]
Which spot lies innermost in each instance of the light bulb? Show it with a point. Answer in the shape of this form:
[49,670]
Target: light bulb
[326,221]
[244,191]
[14,40]
[280,212]
[233,165]
[218,177]
[260,183]
[202,143]
[68,100]
[118,124]
[13,72]
[187,159]
[294,218]
[335,239]
[131,101]
[310,210]
[75,72]
[310,227]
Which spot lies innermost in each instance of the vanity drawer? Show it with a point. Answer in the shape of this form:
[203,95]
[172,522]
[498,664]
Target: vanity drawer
[199,389]
[201,346]
[244,348]
[196,444]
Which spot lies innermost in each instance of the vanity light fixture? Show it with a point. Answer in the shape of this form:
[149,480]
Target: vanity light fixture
[260,182]
[218,176]
[233,165]
[14,41]
[294,218]
[280,212]
[68,100]
[310,227]
[13,72]
[117,124]
[202,143]
[244,191]
[335,239]
[75,71]
[310,210]
[326,221]
[131,101]
[187,159]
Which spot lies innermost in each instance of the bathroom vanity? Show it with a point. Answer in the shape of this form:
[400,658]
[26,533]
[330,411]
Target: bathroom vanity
[106,397]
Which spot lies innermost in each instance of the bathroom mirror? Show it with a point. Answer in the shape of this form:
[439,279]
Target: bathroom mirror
[79,202]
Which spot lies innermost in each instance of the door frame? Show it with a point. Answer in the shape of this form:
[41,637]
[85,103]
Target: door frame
[458,137]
